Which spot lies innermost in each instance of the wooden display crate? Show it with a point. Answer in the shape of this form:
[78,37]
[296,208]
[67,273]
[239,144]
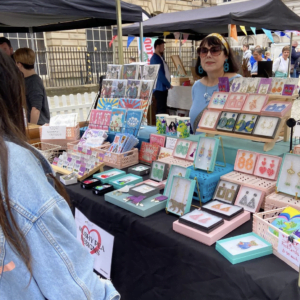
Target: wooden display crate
[178,81]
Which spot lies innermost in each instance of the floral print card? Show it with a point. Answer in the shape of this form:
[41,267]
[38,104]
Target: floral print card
[133,121]
[117,119]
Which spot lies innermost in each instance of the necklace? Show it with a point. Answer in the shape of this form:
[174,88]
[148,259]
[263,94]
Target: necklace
[206,94]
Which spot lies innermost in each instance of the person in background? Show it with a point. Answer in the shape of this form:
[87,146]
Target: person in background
[132,60]
[252,60]
[5,46]
[216,60]
[258,56]
[36,97]
[281,64]
[38,246]
[294,56]
[247,55]
[163,83]
[268,56]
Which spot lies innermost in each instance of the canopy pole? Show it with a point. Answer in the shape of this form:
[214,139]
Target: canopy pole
[229,34]
[32,39]
[180,45]
[290,56]
[120,36]
[194,49]
[141,42]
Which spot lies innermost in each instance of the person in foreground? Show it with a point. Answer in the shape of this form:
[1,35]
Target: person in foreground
[216,60]
[40,256]
[36,97]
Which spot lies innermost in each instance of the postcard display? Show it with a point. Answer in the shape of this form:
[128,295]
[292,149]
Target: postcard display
[249,110]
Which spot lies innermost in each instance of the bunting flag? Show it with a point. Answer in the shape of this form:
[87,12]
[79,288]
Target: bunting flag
[112,40]
[243,29]
[130,40]
[268,34]
[185,37]
[177,36]
[281,33]
[166,33]
[293,31]
[253,30]
[233,33]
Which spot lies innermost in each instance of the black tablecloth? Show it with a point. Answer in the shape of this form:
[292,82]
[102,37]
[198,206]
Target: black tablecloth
[151,261]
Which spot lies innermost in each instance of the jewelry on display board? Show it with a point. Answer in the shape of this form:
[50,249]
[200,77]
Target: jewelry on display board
[298,183]
[270,170]
[201,153]
[221,191]
[290,173]
[243,201]
[209,154]
[252,104]
[240,125]
[230,194]
[241,161]
[249,163]
[206,119]
[279,89]
[230,123]
[262,168]
[223,121]
[274,89]
[211,124]
[250,125]
[251,203]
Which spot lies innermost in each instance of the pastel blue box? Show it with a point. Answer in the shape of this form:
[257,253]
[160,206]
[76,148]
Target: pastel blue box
[149,208]
[123,177]
[238,258]
[106,180]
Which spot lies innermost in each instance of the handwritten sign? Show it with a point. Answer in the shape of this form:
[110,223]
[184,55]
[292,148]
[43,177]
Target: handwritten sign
[170,143]
[54,132]
[290,251]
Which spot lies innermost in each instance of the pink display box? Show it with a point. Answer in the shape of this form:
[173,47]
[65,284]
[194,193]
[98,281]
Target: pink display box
[160,140]
[245,161]
[156,184]
[267,166]
[215,235]
[218,100]
[296,149]
[170,160]
[255,103]
[235,101]
[209,119]
[183,142]
[276,108]
[278,200]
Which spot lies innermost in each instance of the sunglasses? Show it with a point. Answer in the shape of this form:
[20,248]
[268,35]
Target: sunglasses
[214,51]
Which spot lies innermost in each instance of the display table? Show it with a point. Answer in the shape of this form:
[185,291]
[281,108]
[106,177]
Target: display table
[151,261]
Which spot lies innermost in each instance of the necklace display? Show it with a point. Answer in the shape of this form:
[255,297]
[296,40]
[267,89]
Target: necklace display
[206,95]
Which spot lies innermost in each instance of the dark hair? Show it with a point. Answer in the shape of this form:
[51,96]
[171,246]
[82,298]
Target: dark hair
[214,41]
[246,45]
[12,127]
[158,42]
[5,40]
[258,50]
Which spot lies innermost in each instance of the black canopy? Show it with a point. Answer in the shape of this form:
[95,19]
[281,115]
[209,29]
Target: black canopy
[52,15]
[267,14]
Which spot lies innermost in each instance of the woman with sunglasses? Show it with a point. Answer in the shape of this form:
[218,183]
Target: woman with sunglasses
[215,60]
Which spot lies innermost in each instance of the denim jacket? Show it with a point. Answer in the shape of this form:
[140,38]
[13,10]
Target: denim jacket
[62,269]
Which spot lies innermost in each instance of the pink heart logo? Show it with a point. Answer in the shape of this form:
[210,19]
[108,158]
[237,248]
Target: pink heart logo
[98,236]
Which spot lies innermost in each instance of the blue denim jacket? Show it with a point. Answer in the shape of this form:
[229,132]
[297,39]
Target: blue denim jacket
[62,268]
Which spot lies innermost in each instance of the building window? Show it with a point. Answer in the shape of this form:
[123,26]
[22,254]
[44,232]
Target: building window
[226,0]
[23,40]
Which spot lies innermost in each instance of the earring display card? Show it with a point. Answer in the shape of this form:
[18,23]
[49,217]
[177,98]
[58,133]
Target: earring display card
[255,103]
[267,166]
[226,191]
[227,121]
[139,170]
[171,142]
[157,139]
[209,119]
[276,108]
[266,126]
[245,123]
[223,210]
[250,199]
[164,152]
[264,86]
[235,101]
[201,220]
[175,171]
[191,153]
[143,190]
[218,100]
[206,154]
[289,175]
[252,85]
[158,171]
[121,181]
[244,247]
[224,84]
[237,85]
[277,85]
[291,82]
[182,148]
[106,176]
[181,195]
[245,161]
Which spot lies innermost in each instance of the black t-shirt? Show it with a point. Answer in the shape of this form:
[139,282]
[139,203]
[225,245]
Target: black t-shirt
[36,97]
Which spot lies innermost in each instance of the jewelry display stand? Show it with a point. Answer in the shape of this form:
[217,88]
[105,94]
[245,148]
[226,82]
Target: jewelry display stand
[269,143]
[278,200]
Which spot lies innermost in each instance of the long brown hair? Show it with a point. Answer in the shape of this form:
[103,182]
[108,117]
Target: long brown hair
[12,128]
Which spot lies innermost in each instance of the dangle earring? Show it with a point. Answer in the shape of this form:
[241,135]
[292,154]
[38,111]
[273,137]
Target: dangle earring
[251,203]
[200,69]
[201,153]
[249,163]
[298,183]
[222,191]
[226,65]
[243,201]
[290,173]
[271,171]
[209,154]
[262,169]
[241,161]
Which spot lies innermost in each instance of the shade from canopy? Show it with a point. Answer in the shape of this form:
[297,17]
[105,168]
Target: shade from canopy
[268,14]
[52,15]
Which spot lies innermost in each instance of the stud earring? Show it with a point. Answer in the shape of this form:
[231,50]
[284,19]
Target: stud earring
[226,65]
[243,201]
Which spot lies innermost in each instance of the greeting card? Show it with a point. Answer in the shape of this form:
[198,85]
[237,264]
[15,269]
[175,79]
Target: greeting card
[267,166]
[148,152]
[117,119]
[130,103]
[107,86]
[145,107]
[150,72]
[245,123]
[99,119]
[255,103]
[209,119]
[133,89]
[113,71]
[131,71]
[133,121]
[235,101]
[146,89]
[118,88]
[224,84]
[107,103]
[157,139]
[171,142]
[264,86]
[164,152]
[218,100]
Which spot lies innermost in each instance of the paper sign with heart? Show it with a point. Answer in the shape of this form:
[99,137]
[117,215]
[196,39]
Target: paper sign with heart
[86,234]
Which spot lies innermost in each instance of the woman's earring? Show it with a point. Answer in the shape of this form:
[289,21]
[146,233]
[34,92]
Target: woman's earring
[200,69]
[226,65]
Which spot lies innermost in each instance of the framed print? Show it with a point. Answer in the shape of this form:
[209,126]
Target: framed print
[119,88]
[266,126]
[218,100]
[171,142]
[264,86]
[267,166]
[180,70]
[131,71]
[245,123]
[164,152]
[148,152]
[130,103]
[181,195]
[181,148]
[107,103]
[133,121]
[105,176]
[191,153]
[235,101]
[150,72]
[114,71]
[277,85]
[288,181]
[107,86]
[250,199]
[226,191]
[143,190]
[245,161]
[255,103]
[123,180]
[146,89]
[133,89]
[209,119]
[117,119]
[227,121]
[157,139]
[159,171]
[201,220]
[222,210]
[237,85]
[139,170]
[244,247]
[206,154]
[276,108]
[175,171]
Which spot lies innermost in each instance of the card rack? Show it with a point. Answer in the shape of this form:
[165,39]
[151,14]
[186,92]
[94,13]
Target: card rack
[269,143]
